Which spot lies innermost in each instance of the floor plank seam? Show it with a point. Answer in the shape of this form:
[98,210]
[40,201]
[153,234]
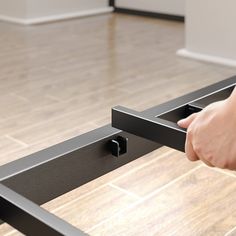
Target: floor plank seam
[111,183]
[20,97]
[54,98]
[16,140]
[64,133]
[222,172]
[167,153]
[229,233]
[45,121]
[49,137]
[125,191]
[42,122]
[76,199]
[73,111]
[146,197]
[26,113]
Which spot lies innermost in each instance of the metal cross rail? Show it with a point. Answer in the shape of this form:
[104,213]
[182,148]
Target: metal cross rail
[161,125]
[27,183]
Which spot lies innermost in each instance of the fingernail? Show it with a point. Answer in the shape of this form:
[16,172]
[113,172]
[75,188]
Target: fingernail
[180,122]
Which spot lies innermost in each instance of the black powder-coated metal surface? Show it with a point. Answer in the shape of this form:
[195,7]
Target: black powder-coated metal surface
[29,218]
[159,124]
[45,175]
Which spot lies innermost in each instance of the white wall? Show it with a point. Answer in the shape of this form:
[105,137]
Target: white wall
[39,8]
[211,31]
[176,7]
[13,8]
[37,11]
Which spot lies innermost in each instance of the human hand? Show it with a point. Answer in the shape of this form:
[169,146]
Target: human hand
[211,135]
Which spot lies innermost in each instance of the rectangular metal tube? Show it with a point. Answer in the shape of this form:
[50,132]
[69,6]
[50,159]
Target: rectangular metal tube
[199,95]
[161,131]
[162,126]
[52,172]
[31,219]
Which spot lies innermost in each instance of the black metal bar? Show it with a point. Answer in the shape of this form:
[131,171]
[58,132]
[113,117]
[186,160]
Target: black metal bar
[157,15]
[66,166]
[29,218]
[158,130]
[111,3]
[63,167]
[196,106]
[52,172]
[192,97]
[162,126]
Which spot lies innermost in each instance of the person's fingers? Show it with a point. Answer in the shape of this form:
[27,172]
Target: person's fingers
[192,156]
[184,123]
[205,161]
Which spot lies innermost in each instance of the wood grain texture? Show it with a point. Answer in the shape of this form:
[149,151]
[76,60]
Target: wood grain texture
[200,203]
[155,175]
[19,152]
[60,80]
[95,207]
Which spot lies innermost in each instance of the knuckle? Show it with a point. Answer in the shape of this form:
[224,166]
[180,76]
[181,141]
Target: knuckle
[222,165]
[190,134]
[210,158]
[190,158]
[197,149]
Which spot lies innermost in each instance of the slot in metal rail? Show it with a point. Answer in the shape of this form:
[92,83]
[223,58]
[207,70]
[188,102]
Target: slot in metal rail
[27,183]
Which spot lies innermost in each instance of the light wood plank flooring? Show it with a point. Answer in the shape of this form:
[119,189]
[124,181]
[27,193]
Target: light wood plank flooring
[60,80]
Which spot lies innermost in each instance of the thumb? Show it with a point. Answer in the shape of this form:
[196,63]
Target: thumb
[184,123]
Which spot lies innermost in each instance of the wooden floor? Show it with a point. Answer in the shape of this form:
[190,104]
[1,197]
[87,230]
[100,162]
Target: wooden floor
[60,80]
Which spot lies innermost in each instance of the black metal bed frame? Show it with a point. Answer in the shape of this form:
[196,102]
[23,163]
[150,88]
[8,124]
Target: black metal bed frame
[27,183]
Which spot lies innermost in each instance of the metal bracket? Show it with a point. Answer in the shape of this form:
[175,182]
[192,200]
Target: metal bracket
[118,146]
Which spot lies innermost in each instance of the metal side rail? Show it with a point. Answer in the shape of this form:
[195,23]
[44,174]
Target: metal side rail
[31,219]
[161,127]
[40,177]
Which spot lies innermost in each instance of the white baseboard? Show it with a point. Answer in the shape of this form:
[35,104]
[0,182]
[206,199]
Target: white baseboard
[45,19]
[207,58]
